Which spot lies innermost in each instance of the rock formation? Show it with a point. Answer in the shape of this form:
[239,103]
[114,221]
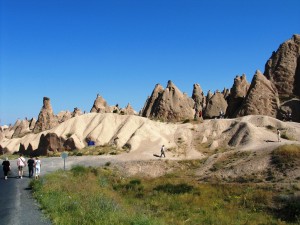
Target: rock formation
[50,143]
[238,93]
[199,99]
[100,105]
[170,105]
[262,98]
[76,112]
[283,68]
[64,116]
[21,129]
[149,105]
[46,119]
[215,106]
[32,123]
[128,110]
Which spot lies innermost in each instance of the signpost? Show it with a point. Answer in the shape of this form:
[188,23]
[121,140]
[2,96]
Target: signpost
[64,155]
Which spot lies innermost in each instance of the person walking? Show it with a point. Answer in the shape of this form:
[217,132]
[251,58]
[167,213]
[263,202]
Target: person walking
[6,167]
[162,151]
[21,163]
[30,164]
[38,166]
[278,135]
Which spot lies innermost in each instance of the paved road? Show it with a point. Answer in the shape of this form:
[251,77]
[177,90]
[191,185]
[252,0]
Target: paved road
[17,207]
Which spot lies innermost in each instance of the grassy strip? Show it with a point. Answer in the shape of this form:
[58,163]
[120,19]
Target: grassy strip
[103,196]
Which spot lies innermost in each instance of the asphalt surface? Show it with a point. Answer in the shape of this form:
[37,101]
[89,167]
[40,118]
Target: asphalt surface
[17,206]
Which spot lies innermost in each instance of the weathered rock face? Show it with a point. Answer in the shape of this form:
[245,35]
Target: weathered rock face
[100,105]
[128,110]
[46,119]
[291,107]
[64,116]
[199,99]
[238,93]
[32,123]
[215,105]
[226,93]
[21,129]
[50,143]
[76,112]
[170,105]
[209,96]
[283,70]
[262,98]
[149,105]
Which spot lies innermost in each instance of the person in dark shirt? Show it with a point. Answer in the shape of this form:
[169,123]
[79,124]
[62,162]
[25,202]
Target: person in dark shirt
[30,164]
[6,167]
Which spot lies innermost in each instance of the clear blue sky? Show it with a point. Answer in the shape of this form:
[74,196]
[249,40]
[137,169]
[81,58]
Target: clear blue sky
[70,50]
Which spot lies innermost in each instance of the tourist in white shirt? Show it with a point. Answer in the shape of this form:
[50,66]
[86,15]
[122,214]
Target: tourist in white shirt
[21,163]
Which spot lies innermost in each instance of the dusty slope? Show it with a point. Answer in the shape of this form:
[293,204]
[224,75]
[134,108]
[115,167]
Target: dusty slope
[231,149]
[186,140]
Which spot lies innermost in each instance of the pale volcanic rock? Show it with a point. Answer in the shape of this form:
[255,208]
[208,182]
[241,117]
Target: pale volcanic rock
[100,105]
[262,98]
[76,112]
[64,116]
[283,68]
[21,129]
[128,110]
[149,105]
[215,105]
[199,99]
[238,93]
[172,105]
[46,119]
[32,123]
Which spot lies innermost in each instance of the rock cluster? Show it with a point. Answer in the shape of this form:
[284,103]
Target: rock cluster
[100,105]
[283,68]
[237,95]
[262,98]
[46,119]
[169,104]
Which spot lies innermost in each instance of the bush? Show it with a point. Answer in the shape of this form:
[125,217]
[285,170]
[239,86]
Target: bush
[290,210]
[79,170]
[174,189]
[284,156]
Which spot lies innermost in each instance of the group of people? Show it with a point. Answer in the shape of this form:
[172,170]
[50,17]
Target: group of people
[34,166]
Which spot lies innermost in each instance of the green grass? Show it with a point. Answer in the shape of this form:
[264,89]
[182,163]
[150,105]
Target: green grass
[285,156]
[96,150]
[103,196]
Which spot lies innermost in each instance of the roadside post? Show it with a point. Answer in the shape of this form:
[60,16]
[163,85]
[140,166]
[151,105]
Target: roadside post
[64,155]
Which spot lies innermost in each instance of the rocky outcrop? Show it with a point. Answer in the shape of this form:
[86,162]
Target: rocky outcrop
[50,143]
[150,103]
[283,68]
[215,106]
[289,110]
[262,98]
[100,105]
[199,99]
[64,116]
[128,110]
[76,112]
[238,93]
[46,119]
[171,104]
[21,129]
[32,123]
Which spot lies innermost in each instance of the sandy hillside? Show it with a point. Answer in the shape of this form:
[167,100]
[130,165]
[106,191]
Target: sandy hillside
[230,149]
[183,140]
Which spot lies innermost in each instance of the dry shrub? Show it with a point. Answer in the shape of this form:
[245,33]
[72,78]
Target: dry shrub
[284,156]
